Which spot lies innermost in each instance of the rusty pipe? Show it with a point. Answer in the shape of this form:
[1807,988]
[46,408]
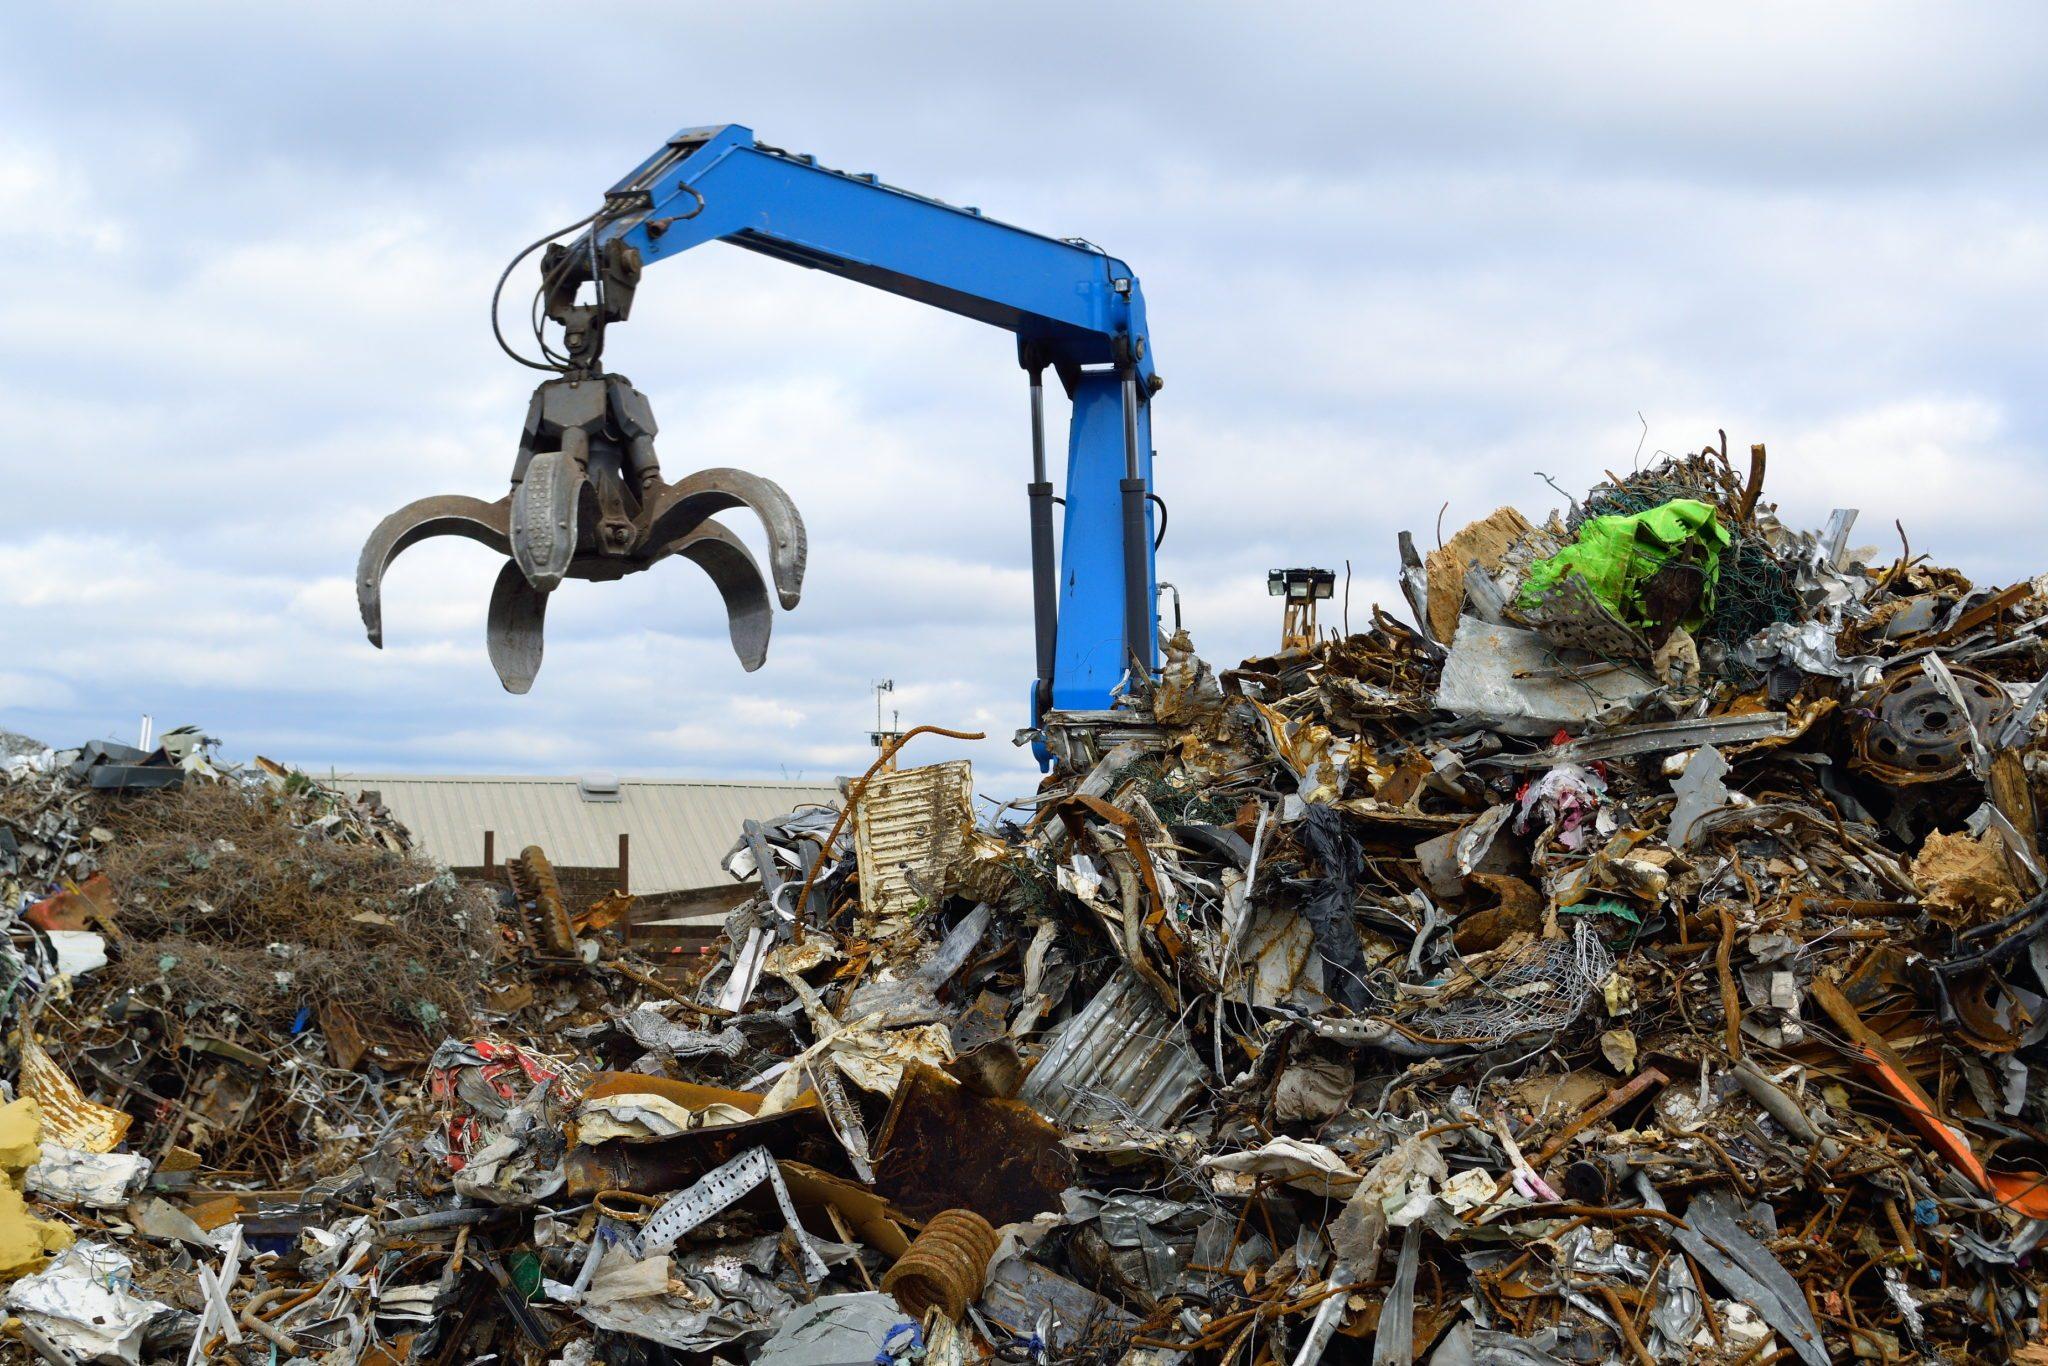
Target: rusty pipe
[276,1337]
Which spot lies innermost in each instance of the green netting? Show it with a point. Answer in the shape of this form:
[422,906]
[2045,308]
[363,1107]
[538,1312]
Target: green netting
[1755,591]
[1181,805]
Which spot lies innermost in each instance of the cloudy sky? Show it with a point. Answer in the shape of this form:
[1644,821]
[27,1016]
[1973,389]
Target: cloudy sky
[1394,261]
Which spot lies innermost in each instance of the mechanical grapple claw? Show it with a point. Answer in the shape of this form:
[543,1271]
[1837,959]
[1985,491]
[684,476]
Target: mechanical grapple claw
[588,502]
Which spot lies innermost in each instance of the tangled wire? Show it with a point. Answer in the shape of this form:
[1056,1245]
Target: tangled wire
[238,895]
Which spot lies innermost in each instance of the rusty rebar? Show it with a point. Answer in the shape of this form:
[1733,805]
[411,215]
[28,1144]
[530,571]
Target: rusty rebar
[1731,1002]
[1621,1321]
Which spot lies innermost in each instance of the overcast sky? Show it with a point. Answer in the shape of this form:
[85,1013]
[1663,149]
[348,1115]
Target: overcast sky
[1394,260]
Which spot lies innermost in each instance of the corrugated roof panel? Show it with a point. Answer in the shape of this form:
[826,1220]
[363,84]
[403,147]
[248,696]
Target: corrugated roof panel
[1121,1056]
[678,829]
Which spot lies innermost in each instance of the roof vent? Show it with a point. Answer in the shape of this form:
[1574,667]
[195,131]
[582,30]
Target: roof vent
[599,787]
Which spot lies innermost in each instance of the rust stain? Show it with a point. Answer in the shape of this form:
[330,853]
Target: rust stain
[943,1147]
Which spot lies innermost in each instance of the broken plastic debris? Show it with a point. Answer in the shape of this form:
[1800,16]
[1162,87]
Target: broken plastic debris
[84,1303]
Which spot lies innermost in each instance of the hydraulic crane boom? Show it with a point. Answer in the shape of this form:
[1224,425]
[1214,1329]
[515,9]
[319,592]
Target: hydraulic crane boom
[1072,308]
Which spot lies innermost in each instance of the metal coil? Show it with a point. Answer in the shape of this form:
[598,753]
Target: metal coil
[944,1266]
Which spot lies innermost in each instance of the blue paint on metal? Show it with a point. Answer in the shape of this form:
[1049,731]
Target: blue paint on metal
[1090,661]
[1079,308]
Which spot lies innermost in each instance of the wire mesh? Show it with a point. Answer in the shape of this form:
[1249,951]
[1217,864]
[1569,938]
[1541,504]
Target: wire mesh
[1541,989]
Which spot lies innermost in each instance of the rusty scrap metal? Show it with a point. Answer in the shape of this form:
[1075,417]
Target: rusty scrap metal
[858,791]
[1119,1058]
[1599,1083]
[943,1147]
[1614,1100]
[913,823]
[540,896]
[1915,733]
[945,1265]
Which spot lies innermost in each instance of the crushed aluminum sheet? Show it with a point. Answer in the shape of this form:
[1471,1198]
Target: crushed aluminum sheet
[1513,680]
[95,1180]
[1699,789]
[650,1029]
[79,1303]
[1808,646]
[836,1330]
[1746,1268]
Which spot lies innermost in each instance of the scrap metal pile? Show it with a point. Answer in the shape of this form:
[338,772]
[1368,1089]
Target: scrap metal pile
[1643,957]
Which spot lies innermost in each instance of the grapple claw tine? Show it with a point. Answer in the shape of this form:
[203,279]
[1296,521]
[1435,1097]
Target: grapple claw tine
[595,508]
[513,630]
[749,614]
[448,514]
[543,521]
[682,507]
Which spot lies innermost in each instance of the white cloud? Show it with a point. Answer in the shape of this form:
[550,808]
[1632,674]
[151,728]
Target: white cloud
[1410,262]
[28,691]
[42,198]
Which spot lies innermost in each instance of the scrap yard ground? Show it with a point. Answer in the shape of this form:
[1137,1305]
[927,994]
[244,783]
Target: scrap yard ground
[1636,954]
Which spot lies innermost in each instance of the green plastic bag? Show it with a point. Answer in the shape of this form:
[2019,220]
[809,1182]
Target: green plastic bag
[525,1270]
[1614,555]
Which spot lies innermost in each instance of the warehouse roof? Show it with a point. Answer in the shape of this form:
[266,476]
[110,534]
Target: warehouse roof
[679,828]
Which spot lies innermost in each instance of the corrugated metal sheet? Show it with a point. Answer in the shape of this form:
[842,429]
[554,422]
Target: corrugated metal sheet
[1121,1057]
[679,828]
[909,825]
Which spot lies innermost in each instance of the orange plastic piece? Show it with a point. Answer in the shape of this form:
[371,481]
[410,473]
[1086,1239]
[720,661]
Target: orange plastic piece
[2022,1191]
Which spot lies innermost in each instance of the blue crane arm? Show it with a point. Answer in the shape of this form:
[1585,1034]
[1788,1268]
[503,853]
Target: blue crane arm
[1070,305]
[1081,306]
